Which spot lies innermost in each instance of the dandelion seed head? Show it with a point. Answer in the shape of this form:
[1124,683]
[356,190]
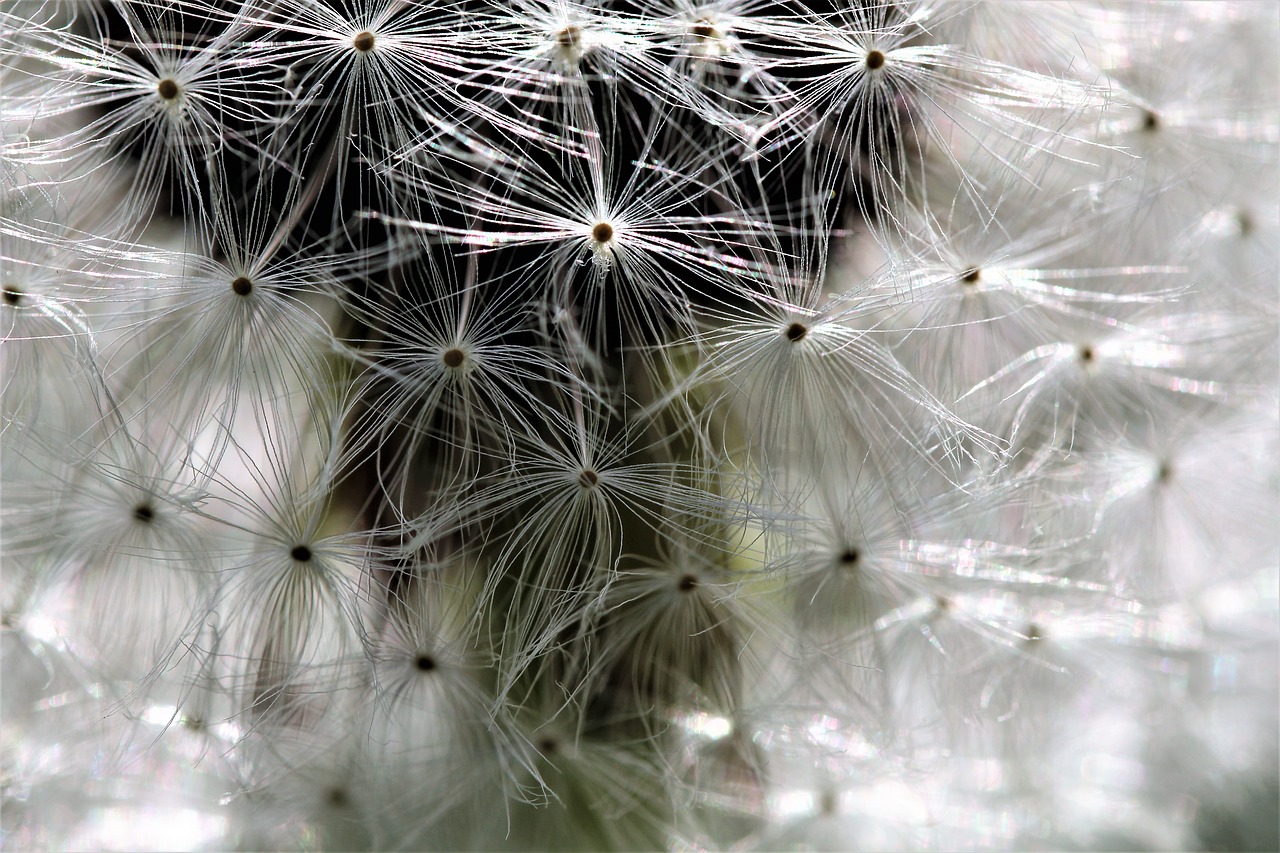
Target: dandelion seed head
[972,276]
[337,798]
[687,583]
[796,332]
[168,89]
[13,296]
[364,41]
[453,358]
[588,478]
[709,39]
[424,663]
[703,28]
[548,745]
[242,286]
[568,40]
[144,513]
[1150,121]
[301,553]
[1086,354]
[849,557]
[601,233]
[1033,633]
[874,60]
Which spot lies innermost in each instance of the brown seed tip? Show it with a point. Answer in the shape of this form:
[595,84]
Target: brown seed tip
[850,556]
[454,357]
[1150,121]
[688,583]
[796,332]
[167,89]
[704,29]
[363,42]
[242,286]
[875,59]
[301,553]
[973,276]
[425,663]
[12,296]
[602,232]
[570,38]
[1087,355]
[143,513]
[588,478]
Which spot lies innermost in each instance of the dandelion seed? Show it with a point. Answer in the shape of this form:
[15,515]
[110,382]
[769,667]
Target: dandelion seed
[602,233]
[167,89]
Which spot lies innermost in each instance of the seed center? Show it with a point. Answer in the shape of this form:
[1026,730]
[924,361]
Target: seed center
[602,232]
[242,286]
[796,332]
[301,553]
[167,89]
[453,357]
[12,296]
[875,59]
[363,42]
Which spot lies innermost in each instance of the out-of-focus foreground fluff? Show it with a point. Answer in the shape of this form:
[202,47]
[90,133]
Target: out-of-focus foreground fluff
[651,424]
